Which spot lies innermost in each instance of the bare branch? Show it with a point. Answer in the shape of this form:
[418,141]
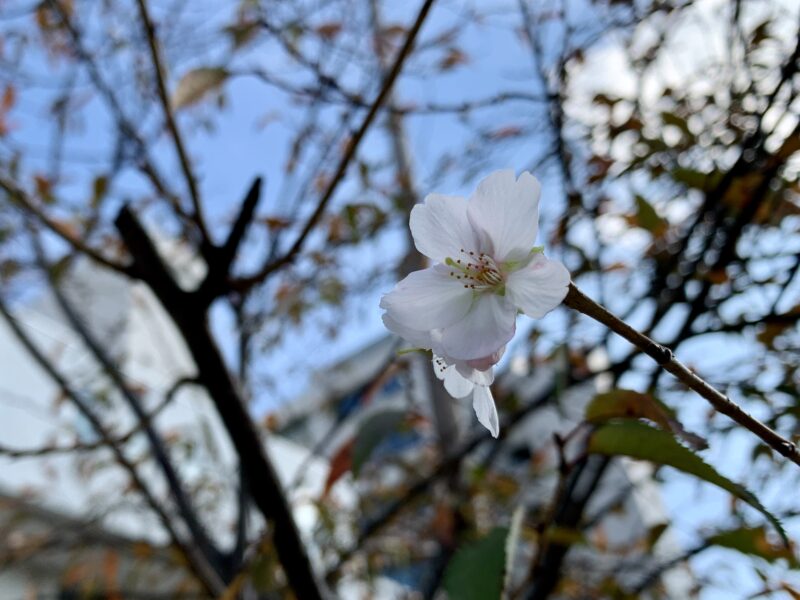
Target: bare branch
[577,300]
[125,125]
[220,258]
[186,166]
[349,153]
[194,559]
[160,453]
[265,488]
[21,199]
[90,447]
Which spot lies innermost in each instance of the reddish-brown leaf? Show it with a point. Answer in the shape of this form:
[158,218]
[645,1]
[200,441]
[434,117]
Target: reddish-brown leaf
[341,463]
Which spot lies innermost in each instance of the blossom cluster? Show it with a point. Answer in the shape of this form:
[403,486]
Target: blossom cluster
[485,271]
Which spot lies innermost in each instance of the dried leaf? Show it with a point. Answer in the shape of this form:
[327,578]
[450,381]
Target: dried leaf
[196,84]
[341,463]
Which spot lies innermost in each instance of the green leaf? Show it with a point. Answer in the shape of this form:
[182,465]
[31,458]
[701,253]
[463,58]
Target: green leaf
[241,33]
[753,541]
[375,428]
[677,121]
[690,177]
[637,440]
[628,404]
[647,217]
[99,190]
[477,569]
[697,179]
[196,84]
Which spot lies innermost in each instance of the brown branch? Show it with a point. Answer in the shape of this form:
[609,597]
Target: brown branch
[653,576]
[21,199]
[349,154]
[434,108]
[180,148]
[354,99]
[577,300]
[197,563]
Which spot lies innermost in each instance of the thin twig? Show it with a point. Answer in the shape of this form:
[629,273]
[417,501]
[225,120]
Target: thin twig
[21,199]
[126,127]
[663,356]
[180,148]
[349,153]
[90,447]
[197,563]
[160,453]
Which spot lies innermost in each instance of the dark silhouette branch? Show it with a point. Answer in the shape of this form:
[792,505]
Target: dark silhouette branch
[220,258]
[190,316]
[159,450]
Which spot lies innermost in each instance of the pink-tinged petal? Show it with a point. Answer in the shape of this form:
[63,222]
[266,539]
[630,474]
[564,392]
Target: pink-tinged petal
[487,327]
[418,339]
[506,210]
[539,287]
[485,410]
[486,362]
[428,299]
[441,229]
[484,377]
[456,385]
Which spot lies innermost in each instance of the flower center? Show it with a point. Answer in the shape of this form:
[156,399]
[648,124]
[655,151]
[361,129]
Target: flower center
[479,272]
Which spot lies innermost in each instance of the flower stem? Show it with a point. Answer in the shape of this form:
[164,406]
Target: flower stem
[662,355]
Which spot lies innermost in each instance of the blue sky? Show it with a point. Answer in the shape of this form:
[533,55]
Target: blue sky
[247,140]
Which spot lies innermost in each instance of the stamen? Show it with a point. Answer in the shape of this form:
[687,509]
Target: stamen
[481,272]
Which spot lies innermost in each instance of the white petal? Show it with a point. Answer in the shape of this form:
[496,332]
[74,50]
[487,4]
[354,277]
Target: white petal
[539,287]
[487,327]
[418,339]
[485,410]
[456,385]
[506,210]
[441,229]
[428,299]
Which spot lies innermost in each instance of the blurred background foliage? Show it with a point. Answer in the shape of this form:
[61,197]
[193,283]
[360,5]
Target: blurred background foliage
[666,135]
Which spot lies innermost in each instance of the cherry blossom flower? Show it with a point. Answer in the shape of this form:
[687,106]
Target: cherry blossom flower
[486,270]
